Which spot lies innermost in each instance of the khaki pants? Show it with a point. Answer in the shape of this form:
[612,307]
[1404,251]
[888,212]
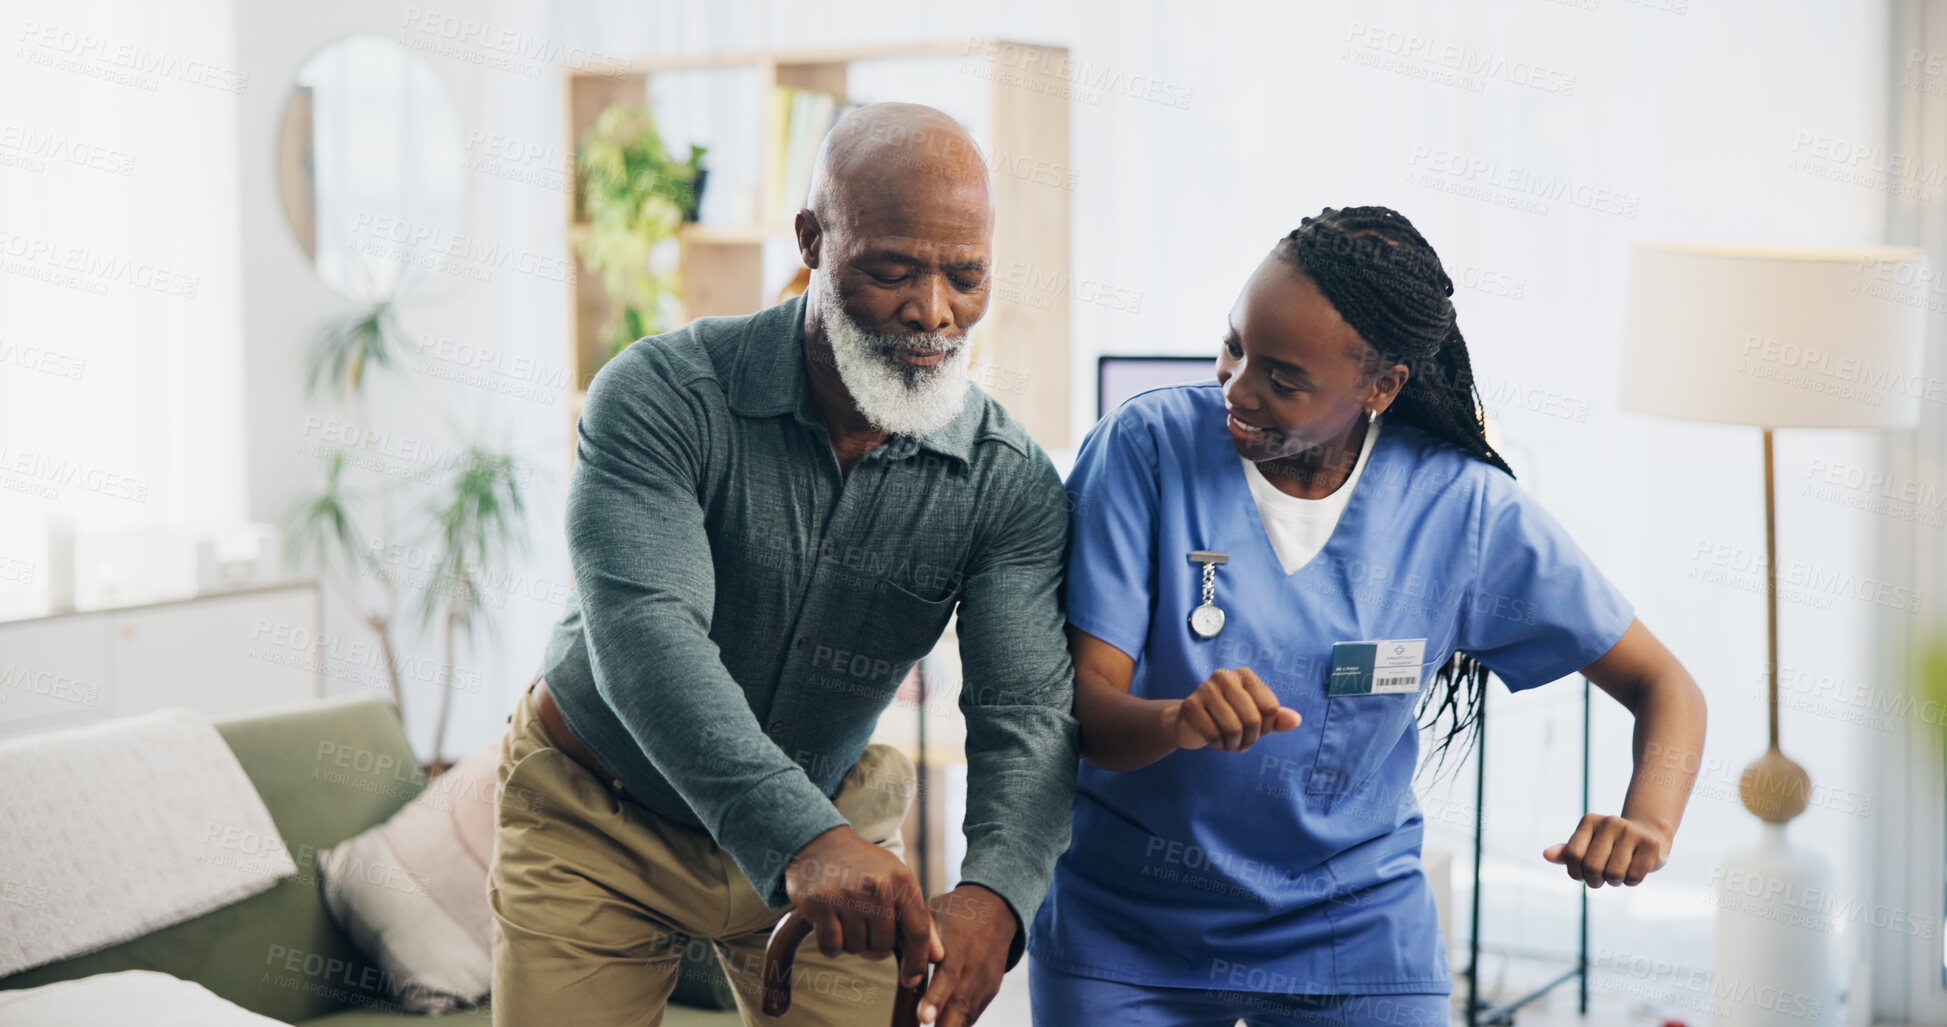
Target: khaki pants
[595,899]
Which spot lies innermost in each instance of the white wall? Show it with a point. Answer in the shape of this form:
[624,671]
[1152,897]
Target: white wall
[119,342]
[424,409]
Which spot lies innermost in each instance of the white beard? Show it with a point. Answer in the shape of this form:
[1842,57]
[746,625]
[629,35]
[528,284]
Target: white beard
[897,397]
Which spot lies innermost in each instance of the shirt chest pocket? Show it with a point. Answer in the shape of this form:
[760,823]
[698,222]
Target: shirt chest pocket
[1358,734]
[906,624]
[895,602]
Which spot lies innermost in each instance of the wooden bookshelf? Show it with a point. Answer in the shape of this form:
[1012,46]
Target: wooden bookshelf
[1020,347]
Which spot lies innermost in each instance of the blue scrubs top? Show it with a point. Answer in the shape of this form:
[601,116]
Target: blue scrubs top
[1293,868]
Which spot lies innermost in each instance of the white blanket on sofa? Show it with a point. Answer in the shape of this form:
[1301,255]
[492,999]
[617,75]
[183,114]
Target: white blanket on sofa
[113,830]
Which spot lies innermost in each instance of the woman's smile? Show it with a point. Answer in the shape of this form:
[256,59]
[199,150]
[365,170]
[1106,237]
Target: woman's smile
[1249,434]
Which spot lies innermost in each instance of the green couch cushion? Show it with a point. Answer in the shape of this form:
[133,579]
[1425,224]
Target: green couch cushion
[326,771]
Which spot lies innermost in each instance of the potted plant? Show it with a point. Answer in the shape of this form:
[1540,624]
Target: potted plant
[477,518]
[477,523]
[323,529]
[635,196]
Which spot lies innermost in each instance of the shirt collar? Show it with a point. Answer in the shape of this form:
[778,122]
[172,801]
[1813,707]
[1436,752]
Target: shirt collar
[768,379]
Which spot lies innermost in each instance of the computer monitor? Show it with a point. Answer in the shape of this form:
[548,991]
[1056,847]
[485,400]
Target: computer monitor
[1118,378]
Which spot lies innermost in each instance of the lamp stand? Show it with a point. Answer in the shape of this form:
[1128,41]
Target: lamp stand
[1773,955]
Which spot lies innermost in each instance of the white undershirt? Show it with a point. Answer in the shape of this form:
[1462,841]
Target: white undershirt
[1299,527]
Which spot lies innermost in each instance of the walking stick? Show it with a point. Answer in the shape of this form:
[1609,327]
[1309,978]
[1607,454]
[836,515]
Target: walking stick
[782,950]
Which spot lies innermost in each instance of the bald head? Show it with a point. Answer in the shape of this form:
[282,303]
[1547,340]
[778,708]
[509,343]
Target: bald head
[898,228]
[885,158]
[898,231]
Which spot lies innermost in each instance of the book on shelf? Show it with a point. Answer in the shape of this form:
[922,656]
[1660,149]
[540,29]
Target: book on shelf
[803,118]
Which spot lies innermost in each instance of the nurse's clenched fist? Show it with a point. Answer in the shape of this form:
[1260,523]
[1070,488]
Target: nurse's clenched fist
[1611,850]
[1231,711]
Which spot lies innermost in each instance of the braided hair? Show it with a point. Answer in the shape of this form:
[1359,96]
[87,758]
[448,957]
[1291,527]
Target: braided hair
[1384,279]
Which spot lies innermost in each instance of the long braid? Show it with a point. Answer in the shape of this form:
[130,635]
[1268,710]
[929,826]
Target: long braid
[1386,281]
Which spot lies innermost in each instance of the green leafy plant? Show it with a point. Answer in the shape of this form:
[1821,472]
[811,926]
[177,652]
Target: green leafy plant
[635,195]
[1930,672]
[477,524]
[346,345]
[477,517]
[321,530]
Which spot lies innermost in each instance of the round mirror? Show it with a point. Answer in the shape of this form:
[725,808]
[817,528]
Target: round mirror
[369,159]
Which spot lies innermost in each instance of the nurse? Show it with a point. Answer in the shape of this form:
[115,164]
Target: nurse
[1274,577]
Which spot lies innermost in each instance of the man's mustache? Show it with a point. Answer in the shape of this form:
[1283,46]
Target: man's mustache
[894,347]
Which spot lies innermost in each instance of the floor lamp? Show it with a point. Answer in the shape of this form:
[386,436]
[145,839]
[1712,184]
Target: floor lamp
[1774,338]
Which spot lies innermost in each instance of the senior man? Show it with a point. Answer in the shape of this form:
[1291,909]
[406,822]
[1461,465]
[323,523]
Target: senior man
[771,520]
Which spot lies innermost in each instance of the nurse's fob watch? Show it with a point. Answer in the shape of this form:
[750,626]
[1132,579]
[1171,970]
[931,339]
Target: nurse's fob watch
[1207,620]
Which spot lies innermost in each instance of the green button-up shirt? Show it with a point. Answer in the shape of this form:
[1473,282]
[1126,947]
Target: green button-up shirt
[745,610]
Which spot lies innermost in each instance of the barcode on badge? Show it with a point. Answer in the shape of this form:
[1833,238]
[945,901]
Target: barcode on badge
[1407,682]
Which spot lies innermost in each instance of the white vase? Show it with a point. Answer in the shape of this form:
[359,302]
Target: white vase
[1775,939]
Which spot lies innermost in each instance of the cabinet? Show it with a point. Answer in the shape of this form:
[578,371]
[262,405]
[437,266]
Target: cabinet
[235,652]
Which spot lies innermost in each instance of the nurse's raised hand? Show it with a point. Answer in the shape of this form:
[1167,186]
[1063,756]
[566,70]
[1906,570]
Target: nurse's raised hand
[1231,711]
[1611,850]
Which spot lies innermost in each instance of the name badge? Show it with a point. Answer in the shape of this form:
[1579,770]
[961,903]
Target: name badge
[1382,667]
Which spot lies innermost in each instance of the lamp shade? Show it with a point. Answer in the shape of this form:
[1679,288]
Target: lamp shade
[1779,338]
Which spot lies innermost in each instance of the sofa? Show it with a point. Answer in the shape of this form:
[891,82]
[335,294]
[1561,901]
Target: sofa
[279,953]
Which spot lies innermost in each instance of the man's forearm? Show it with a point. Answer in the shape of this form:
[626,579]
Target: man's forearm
[1021,787]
